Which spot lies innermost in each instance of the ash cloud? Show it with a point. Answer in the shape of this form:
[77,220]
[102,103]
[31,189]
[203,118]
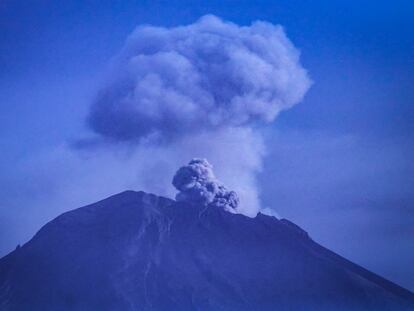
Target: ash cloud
[210,74]
[196,183]
[203,90]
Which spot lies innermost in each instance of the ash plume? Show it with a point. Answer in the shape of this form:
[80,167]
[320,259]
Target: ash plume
[196,183]
[205,90]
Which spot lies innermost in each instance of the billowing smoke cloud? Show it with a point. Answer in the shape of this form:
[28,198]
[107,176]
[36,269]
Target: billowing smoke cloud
[197,183]
[206,75]
[201,90]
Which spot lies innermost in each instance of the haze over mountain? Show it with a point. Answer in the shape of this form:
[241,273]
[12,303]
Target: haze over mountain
[139,251]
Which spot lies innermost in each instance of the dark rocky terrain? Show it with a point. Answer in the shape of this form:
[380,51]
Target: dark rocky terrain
[137,251]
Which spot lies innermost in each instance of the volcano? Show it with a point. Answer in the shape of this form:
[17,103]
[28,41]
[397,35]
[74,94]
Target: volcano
[139,251]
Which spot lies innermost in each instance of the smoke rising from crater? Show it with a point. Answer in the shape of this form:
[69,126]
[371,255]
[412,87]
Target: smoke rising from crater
[197,183]
[198,85]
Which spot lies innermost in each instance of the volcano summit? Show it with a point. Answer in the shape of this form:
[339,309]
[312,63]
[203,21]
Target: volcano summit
[139,251]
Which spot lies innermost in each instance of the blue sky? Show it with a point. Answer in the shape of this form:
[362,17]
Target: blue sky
[338,164]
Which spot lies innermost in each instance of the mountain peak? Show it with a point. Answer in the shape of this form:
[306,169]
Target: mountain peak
[139,251]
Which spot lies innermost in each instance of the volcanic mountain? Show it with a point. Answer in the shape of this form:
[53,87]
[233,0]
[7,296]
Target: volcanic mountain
[139,251]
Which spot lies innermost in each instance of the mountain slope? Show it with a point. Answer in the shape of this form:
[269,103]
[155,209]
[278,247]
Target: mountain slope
[137,251]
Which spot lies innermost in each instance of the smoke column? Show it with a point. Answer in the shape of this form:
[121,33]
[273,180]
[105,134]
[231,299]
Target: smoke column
[202,90]
[196,183]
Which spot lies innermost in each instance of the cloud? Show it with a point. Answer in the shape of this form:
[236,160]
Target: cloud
[201,90]
[196,183]
[167,82]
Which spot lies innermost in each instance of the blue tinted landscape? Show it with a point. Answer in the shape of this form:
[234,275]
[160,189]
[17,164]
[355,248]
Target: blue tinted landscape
[215,155]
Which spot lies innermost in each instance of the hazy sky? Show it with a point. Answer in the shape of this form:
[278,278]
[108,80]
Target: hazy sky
[338,164]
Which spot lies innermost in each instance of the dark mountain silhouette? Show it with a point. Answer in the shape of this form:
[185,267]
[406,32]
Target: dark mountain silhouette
[138,251]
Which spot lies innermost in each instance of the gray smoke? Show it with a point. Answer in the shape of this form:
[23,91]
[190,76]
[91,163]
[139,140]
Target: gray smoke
[168,82]
[200,90]
[197,183]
